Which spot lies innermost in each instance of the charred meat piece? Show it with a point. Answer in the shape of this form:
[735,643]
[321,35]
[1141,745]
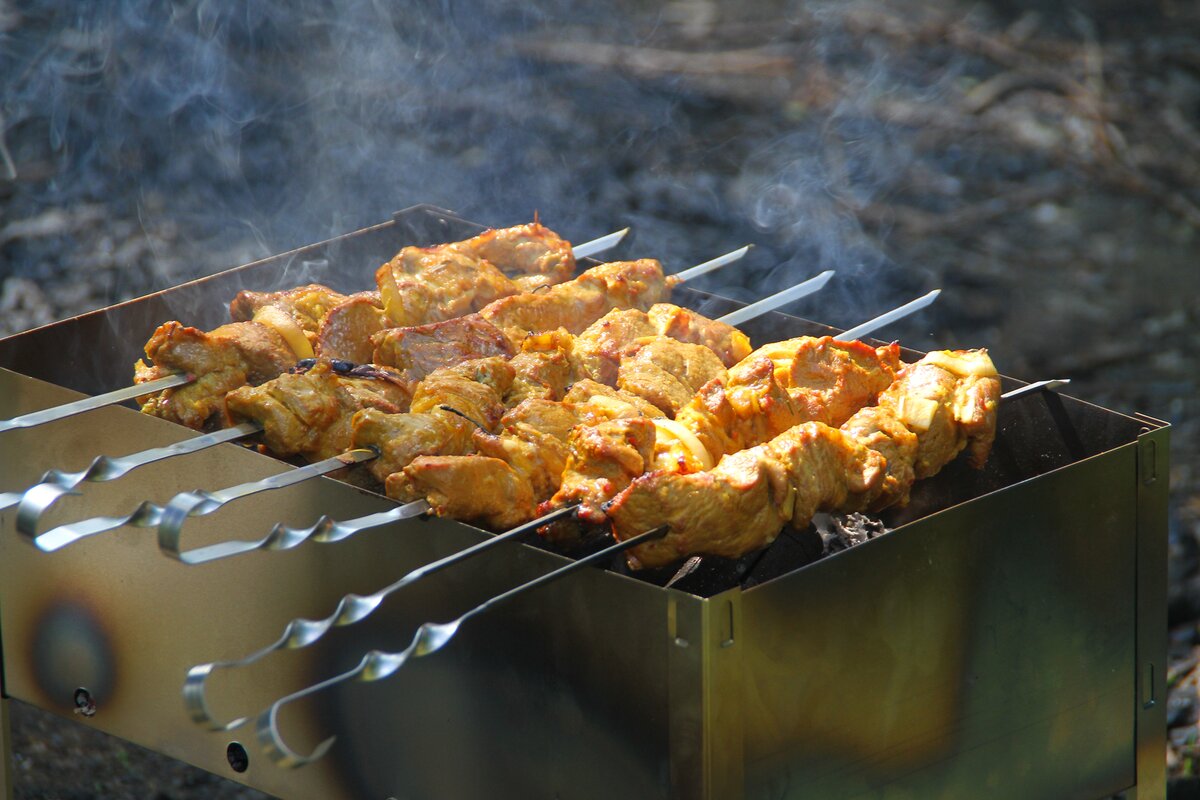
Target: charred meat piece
[602,460]
[530,251]
[222,360]
[779,385]
[498,497]
[308,414]
[684,325]
[742,504]
[935,408]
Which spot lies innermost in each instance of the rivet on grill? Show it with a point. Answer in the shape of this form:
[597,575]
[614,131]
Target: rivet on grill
[84,704]
[680,641]
[238,758]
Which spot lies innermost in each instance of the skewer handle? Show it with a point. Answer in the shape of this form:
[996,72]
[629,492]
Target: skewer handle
[429,638]
[200,503]
[352,608]
[90,403]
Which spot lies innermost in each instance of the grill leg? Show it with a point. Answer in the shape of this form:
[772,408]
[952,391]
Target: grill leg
[6,762]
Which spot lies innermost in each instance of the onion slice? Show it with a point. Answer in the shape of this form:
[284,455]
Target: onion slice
[282,323]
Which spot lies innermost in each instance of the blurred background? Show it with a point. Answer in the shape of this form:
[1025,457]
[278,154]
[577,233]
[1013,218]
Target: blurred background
[1039,161]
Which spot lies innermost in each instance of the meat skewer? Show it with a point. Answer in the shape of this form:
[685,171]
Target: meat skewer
[36,501]
[937,407]
[352,608]
[183,378]
[301,632]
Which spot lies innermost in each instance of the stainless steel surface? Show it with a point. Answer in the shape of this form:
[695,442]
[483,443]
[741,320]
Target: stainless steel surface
[6,760]
[34,418]
[1007,638]
[887,318]
[708,266]
[377,665]
[599,245]
[778,299]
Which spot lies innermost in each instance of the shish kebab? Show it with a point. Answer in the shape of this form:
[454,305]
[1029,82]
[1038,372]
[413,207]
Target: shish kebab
[185,505]
[37,500]
[353,608]
[517,237]
[875,461]
[271,331]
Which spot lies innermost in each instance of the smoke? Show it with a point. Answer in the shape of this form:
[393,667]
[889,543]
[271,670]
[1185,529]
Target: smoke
[257,127]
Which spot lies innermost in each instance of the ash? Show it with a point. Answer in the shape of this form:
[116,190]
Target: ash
[841,532]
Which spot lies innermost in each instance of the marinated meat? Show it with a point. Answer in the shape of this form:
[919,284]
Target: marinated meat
[935,408]
[347,328]
[222,360]
[308,414]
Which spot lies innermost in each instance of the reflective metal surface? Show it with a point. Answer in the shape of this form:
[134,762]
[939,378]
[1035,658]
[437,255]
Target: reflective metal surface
[1007,639]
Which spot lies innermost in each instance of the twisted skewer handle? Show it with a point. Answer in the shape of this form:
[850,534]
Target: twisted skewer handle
[200,503]
[105,468]
[429,638]
[90,403]
[352,608]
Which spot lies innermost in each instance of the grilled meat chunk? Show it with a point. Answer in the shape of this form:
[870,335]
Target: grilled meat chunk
[743,503]
[498,496]
[222,360]
[530,251]
[308,414]
[668,373]
[347,328]
[446,409]
[684,325]
[418,350]
[602,459]
[935,408]
[307,305]
[422,285]
[576,304]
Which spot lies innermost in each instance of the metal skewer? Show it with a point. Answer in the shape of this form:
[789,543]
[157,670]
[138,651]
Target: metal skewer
[1052,385]
[105,468]
[599,245]
[149,515]
[171,381]
[91,403]
[708,266]
[429,638]
[778,299]
[889,317]
[352,608]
